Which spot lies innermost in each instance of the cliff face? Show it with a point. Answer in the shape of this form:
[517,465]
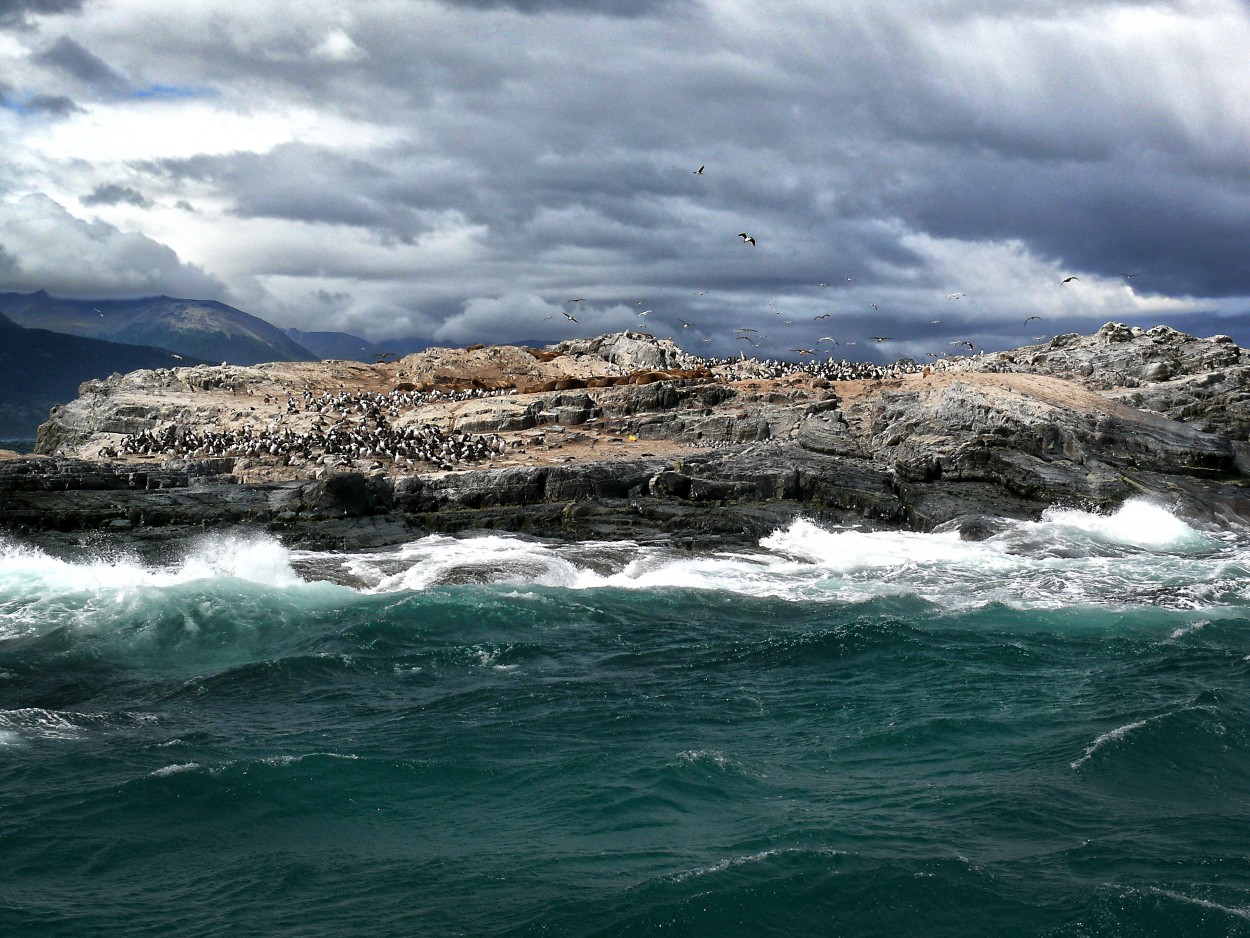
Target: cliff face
[624,436]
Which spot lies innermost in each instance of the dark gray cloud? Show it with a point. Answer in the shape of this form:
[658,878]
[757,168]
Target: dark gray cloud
[113,194]
[507,155]
[9,266]
[68,56]
[19,12]
[627,8]
[53,104]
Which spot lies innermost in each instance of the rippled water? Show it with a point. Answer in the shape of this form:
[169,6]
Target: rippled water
[841,732]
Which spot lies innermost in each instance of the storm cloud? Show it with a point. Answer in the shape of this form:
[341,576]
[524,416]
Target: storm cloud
[462,169]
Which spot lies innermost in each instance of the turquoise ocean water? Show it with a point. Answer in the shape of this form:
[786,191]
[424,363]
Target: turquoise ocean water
[835,733]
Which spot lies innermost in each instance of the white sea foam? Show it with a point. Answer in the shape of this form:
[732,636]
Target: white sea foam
[37,723]
[1241,912]
[1140,554]
[1137,523]
[255,559]
[1109,737]
[177,769]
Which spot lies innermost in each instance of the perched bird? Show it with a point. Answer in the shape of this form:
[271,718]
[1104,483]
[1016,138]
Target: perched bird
[1069,279]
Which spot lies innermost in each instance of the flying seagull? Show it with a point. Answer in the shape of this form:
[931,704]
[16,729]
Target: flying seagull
[699,171]
[1069,279]
[827,338]
[746,238]
[1128,276]
[954,296]
[568,316]
[821,316]
[1030,319]
[880,338]
[684,324]
[578,300]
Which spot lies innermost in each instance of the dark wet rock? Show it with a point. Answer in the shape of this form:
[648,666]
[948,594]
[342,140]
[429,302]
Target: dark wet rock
[1085,421]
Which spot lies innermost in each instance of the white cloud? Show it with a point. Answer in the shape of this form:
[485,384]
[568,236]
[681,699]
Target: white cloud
[337,46]
[83,258]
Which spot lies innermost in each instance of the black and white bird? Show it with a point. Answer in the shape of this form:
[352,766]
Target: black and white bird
[746,238]
[699,171]
[1069,279]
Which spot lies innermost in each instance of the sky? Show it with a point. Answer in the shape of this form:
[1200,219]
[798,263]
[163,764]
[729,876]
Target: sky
[926,172]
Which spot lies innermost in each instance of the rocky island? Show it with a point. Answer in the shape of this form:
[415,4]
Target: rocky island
[626,436]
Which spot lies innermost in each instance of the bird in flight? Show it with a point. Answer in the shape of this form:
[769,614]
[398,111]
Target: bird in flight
[746,238]
[880,338]
[568,316]
[645,311]
[965,342]
[1128,276]
[684,324]
[935,322]
[1069,279]
[821,316]
[954,296]
[803,352]
[699,171]
[746,330]
[1030,319]
[873,305]
[827,338]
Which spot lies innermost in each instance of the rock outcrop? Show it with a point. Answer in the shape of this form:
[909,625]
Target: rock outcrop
[704,451]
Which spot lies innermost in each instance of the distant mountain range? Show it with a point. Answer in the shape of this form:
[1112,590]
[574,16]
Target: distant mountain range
[344,346]
[204,329]
[50,345]
[39,369]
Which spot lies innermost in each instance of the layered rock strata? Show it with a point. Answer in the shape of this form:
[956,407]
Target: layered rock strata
[705,451]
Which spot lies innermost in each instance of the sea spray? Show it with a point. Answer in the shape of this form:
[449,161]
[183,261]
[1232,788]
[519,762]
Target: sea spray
[837,732]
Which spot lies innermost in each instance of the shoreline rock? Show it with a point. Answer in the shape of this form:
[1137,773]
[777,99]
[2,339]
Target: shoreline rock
[705,455]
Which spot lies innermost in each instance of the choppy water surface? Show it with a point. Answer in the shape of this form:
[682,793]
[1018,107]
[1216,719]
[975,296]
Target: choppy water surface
[840,732]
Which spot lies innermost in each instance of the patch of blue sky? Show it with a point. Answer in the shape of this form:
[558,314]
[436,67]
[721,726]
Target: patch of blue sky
[174,91]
